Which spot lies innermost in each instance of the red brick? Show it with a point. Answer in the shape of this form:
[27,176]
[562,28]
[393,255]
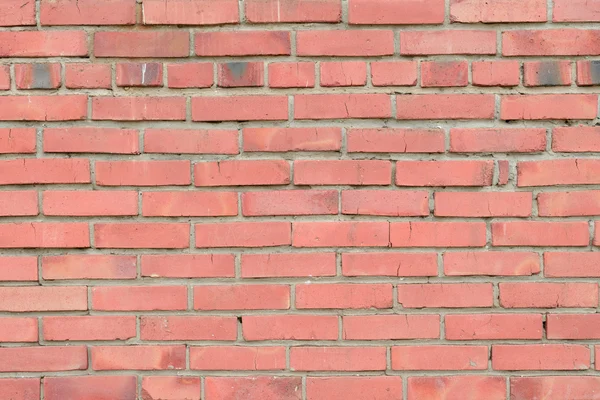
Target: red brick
[175,387]
[338,358]
[341,234]
[243,43]
[437,234]
[44,235]
[340,106]
[89,328]
[191,141]
[19,203]
[548,295]
[456,387]
[43,298]
[558,172]
[439,358]
[588,73]
[236,358]
[290,327]
[547,73]
[444,173]
[139,108]
[38,76]
[569,204]
[240,108]
[139,74]
[538,233]
[20,388]
[365,43]
[91,140]
[551,42]
[241,74]
[89,266]
[386,12]
[242,297]
[288,265]
[70,43]
[395,140]
[354,387]
[494,327]
[385,202]
[21,330]
[482,140]
[255,387]
[341,295]
[576,139]
[496,73]
[17,13]
[394,73]
[139,298]
[5,77]
[279,139]
[43,359]
[135,235]
[447,42]
[491,263]
[90,387]
[43,108]
[181,204]
[554,387]
[18,268]
[144,358]
[18,140]
[88,76]
[87,12]
[444,73]
[573,326]
[389,264]
[90,203]
[576,11]
[503,172]
[143,173]
[244,234]
[136,44]
[344,73]
[290,202]
[473,11]
[176,327]
[391,327]
[292,74]
[269,11]
[540,357]
[445,106]
[190,75]
[44,171]
[190,12]
[188,265]
[440,295]
[572,265]
[242,173]
[342,172]
[483,204]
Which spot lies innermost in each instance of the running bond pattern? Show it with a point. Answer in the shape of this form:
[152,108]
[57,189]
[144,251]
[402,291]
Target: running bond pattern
[299,199]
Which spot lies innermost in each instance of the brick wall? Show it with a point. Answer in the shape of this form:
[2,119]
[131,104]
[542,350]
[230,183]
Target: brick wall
[299,199]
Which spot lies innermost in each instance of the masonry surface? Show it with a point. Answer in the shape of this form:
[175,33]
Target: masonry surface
[299,199]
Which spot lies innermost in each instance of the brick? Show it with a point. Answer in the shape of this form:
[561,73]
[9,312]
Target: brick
[288,265]
[292,74]
[547,73]
[588,72]
[353,296]
[45,235]
[20,388]
[139,298]
[244,234]
[190,75]
[496,73]
[43,359]
[91,140]
[184,387]
[344,73]
[160,235]
[19,203]
[342,172]
[445,106]
[340,106]
[337,358]
[575,11]
[395,140]
[459,387]
[538,233]
[354,387]
[43,108]
[29,171]
[290,202]
[389,264]
[175,327]
[481,140]
[491,263]
[576,139]
[483,204]
[548,295]
[440,295]
[558,172]
[18,140]
[540,357]
[5,77]
[240,74]
[88,76]
[345,43]
[191,141]
[43,298]
[437,234]
[188,265]
[551,42]
[399,203]
[90,203]
[572,326]
[276,139]
[290,327]
[341,234]
[237,358]
[554,387]
[569,204]
[272,11]
[143,173]
[242,297]
[243,43]
[494,327]
[373,12]
[391,327]
[242,173]
[394,73]
[18,268]
[87,12]
[444,73]
[96,387]
[473,11]
[142,44]
[21,330]
[240,108]
[70,43]
[38,76]
[447,42]
[439,358]
[571,264]
[89,328]
[139,108]
[139,74]
[190,12]
[181,204]
[17,13]
[144,358]
[503,172]
[89,266]
[255,387]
